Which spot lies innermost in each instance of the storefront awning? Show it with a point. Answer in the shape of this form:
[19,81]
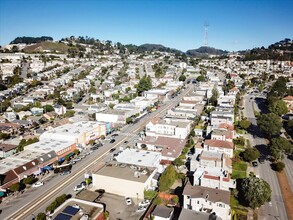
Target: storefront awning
[70,154]
[2,194]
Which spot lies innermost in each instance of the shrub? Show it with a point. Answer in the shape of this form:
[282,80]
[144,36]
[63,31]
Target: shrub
[279,166]
[41,216]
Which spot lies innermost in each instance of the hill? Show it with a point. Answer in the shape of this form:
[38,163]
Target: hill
[47,46]
[30,40]
[205,51]
[282,50]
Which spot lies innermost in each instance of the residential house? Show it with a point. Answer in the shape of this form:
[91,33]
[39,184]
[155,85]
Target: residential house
[168,128]
[208,200]
[213,177]
[191,214]
[169,147]
[9,116]
[219,146]
[37,111]
[60,109]
[222,115]
[162,213]
[7,150]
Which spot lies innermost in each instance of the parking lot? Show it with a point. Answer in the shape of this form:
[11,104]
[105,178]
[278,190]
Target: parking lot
[118,209]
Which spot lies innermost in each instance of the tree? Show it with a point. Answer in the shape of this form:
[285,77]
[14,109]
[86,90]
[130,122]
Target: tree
[250,154]
[30,180]
[102,137]
[76,152]
[278,146]
[48,108]
[41,216]
[255,191]
[15,187]
[69,113]
[129,120]
[182,78]
[178,162]
[200,78]
[278,107]
[215,96]
[270,124]
[167,178]
[244,123]
[145,83]
[279,166]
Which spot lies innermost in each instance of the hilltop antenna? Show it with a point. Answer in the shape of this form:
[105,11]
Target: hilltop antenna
[206,28]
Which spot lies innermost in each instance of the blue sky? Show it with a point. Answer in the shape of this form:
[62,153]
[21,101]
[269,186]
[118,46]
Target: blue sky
[233,25]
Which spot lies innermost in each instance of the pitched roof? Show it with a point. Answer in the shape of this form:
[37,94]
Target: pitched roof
[9,176]
[213,195]
[226,126]
[219,143]
[7,147]
[162,211]
[26,166]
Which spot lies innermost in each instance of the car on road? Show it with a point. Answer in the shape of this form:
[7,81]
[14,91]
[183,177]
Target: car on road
[37,184]
[65,172]
[112,141]
[72,162]
[128,201]
[112,150]
[254,163]
[76,159]
[79,187]
[114,135]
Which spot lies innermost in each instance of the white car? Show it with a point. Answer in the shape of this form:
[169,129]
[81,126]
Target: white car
[128,201]
[37,184]
[141,209]
[145,202]
[79,187]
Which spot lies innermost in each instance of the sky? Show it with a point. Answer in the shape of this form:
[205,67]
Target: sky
[233,24]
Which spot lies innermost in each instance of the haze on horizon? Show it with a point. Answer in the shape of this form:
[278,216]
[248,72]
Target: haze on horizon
[234,25]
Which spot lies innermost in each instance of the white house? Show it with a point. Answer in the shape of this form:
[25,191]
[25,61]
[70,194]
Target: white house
[208,200]
[60,109]
[219,146]
[168,128]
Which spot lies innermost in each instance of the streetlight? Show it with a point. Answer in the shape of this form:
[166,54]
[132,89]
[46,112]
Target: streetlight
[137,198]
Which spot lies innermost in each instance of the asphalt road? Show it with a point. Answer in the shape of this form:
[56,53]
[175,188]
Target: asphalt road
[36,200]
[276,208]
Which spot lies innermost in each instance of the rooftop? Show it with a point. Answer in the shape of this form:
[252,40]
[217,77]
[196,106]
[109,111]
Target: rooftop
[122,171]
[139,157]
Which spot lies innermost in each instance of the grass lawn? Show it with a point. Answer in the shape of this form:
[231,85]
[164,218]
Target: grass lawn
[239,170]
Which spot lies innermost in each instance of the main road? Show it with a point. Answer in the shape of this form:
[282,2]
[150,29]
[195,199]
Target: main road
[36,200]
[276,208]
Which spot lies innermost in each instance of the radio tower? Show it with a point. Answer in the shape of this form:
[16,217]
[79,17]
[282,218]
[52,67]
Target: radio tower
[206,28]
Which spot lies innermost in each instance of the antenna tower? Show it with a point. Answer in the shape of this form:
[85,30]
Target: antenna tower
[206,29]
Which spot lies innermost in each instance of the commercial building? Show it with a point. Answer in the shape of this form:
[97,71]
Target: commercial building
[124,180]
[80,132]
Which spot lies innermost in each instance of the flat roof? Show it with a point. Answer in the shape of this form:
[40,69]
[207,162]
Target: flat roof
[115,170]
[139,157]
[47,145]
[74,129]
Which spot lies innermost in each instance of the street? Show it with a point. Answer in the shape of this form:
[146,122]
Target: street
[36,200]
[276,208]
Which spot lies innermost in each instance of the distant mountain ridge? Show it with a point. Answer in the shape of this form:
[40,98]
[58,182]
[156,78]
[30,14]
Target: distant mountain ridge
[30,40]
[204,51]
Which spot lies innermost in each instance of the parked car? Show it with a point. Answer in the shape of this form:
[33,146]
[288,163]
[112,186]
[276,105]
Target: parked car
[65,172]
[145,202]
[114,135]
[141,209]
[125,142]
[38,184]
[254,163]
[261,160]
[128,201]
[79,187]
